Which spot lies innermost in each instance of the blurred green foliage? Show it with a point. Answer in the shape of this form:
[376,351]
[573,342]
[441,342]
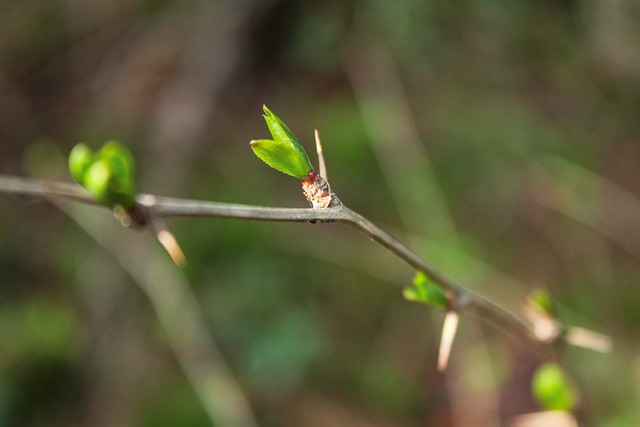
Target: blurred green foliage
[552,388]
[485,96]
[107,174]
[426,291]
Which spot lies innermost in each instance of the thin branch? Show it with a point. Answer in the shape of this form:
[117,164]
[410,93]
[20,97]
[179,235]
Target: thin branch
[44,189]
[153,207]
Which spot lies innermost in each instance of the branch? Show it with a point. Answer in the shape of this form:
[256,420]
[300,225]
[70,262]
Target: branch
[44,189]
[149,207]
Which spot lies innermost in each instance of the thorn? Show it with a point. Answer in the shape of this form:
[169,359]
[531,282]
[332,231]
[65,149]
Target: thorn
[590,340]
[321,163]
[449,329]
[170,244]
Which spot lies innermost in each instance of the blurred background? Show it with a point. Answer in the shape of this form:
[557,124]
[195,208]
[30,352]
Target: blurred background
[499,139]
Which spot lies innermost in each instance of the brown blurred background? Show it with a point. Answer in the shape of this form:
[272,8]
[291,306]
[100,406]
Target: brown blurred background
[500,139]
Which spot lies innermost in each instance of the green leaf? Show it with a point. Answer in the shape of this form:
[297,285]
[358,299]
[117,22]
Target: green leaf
[120,159]
[552,389]
[281,157]
[284,153]
[109,174]
[96,180]
[541,300]
[80,158]
[426,291]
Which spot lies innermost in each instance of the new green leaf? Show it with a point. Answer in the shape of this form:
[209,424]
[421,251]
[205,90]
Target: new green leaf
[96,180]
[426,291]
[279,156]
[119,158]
[80,158]
[541,300]
[284,153]
[109,174]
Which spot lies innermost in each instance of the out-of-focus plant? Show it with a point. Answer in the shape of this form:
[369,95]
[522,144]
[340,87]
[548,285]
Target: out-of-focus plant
[109,176]
[552,388]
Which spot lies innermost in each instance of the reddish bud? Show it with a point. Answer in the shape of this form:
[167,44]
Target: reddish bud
[312,175]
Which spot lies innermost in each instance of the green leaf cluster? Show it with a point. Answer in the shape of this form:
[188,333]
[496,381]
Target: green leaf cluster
[108,174]
[424,290]
[552,388]
[284,152]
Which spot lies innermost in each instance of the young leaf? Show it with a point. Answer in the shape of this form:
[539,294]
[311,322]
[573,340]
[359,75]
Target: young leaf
[425,291]
[119,158]
[541,300]
[108,174]
[284,153]
[96,180]
[552,389]
[280,156]
[80,158]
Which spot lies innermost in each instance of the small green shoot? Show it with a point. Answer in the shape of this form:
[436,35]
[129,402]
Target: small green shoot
[541,300]
[80,158]
[552,389]
[283,153]
[424,290]
[109,174]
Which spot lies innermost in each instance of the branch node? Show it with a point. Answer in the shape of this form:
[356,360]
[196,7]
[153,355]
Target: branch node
[137,216]
[318,192]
